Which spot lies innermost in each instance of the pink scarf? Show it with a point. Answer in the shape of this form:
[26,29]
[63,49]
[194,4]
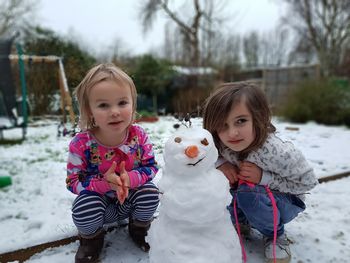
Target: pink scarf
[274,209]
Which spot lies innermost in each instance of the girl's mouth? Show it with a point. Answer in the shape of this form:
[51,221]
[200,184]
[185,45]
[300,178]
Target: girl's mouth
[235,141]
[115,122]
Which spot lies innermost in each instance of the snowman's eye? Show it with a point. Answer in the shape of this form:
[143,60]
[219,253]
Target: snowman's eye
[205,142]
[177,140]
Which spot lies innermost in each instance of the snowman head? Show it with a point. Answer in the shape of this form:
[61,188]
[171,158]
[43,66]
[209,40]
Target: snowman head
[190,150]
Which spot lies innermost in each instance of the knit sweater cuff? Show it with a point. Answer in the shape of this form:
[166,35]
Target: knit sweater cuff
[266,178]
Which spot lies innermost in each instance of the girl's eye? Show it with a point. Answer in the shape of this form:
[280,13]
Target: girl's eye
[205,142]
[123,103]
[241,121]
[177,140]
[103,105]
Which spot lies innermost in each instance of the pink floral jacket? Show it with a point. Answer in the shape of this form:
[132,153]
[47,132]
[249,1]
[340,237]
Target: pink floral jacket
[88,160]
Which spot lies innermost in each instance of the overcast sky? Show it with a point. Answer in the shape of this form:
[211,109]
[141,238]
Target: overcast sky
[99,22]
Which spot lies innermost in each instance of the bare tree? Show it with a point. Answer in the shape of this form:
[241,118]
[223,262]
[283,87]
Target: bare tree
[116,51]
[16,16]
[274,47]
[302,53]
[189,27]
[228,56]
[176,48]
[169,45]
[325,25]
[251,49]
[211,32]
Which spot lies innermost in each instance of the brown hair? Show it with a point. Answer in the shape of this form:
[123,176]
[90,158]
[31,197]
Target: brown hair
[219,104]
[95,75]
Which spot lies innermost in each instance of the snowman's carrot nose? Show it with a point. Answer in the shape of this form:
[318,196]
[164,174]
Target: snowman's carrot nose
[192,151]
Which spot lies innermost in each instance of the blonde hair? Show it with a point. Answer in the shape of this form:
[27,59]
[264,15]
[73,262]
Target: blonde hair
[95,75]
[219,104]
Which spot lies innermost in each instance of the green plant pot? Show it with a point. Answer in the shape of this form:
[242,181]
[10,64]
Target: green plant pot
[5,181]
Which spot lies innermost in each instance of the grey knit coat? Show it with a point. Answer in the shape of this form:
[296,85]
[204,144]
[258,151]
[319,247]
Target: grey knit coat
[284,167]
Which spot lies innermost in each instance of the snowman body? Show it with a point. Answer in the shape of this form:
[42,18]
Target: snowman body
[193,224]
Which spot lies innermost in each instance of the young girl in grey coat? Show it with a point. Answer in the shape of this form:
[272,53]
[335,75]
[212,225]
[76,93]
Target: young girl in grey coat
[268,176]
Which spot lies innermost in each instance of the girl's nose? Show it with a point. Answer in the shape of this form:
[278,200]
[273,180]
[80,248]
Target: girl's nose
[115,111]
[233,132]
[192,151]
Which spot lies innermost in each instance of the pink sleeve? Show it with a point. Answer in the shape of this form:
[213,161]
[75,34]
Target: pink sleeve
[147,167]
[78,178]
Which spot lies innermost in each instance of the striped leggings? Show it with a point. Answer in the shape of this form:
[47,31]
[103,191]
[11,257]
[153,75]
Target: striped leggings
[91,210]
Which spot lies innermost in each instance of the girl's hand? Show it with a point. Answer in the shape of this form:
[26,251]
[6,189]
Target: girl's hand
[125,183]
[121,183]
[250,172]
[230,171]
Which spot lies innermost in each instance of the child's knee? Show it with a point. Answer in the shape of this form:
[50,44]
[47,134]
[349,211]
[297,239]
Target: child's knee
[246,196]
[148,192]
[87,201]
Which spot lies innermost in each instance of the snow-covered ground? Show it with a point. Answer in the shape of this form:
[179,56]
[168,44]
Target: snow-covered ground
[36,207]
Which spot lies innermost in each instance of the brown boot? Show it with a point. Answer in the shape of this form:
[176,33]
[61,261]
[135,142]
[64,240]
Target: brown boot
[90,247]
[138,232]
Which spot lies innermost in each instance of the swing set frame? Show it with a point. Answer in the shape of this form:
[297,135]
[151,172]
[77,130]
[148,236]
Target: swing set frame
[65,97]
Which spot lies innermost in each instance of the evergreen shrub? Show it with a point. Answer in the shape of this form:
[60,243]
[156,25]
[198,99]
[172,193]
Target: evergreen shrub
[322,101]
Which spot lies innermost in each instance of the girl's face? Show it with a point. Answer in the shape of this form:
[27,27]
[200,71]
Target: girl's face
[238,132]
[111,106]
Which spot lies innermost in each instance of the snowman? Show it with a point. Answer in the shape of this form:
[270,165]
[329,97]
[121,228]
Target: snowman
[193,224]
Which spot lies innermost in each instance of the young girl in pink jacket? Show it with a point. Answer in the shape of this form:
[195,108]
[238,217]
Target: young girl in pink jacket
[110,163]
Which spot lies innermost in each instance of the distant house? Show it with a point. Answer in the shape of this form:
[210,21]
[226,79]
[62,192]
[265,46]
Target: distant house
[189,88]
[278,82]
[206,76]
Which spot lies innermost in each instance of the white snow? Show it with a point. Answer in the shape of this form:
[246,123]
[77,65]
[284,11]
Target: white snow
[36,207]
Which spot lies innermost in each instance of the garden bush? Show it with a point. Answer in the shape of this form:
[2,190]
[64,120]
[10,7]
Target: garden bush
[323,101]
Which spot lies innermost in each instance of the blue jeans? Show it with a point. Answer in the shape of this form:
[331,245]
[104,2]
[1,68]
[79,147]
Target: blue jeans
[254,207]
